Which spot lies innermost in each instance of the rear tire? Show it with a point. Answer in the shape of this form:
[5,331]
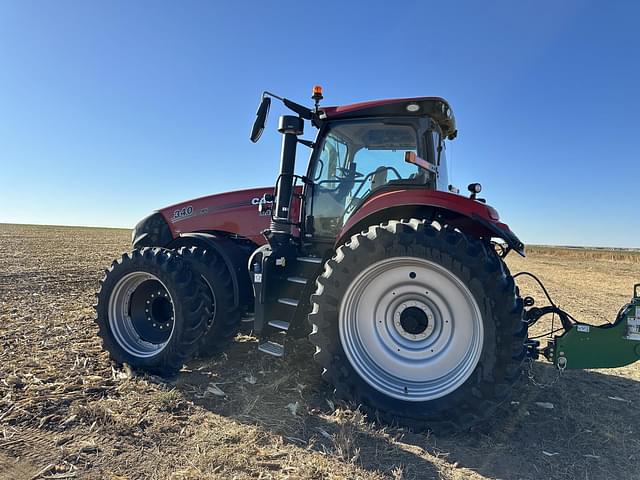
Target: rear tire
[151,310]
[224,322]
[393,353]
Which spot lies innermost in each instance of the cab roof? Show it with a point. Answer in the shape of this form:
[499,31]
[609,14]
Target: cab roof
[435,107]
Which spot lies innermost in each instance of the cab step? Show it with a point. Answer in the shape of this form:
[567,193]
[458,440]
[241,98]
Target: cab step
[279,324]
[288,301]
[316,260]
[272,348]
[299,280]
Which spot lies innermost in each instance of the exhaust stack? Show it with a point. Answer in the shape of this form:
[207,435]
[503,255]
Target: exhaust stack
[291,127]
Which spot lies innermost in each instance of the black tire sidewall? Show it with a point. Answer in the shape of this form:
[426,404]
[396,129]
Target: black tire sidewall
[225,323]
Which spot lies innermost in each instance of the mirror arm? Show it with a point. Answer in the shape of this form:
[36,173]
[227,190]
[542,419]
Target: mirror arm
[306,143]
[272,95]
[301,110]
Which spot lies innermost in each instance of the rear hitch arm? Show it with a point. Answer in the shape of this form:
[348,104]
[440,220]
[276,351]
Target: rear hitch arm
[581,345]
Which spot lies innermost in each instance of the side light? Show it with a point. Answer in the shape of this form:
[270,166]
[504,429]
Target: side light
[474,187]
[413,107]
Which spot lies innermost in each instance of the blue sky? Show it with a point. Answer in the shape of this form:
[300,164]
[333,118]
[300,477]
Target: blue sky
[109,110]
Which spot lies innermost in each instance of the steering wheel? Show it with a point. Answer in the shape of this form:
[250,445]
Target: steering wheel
[369,175]
[347,172]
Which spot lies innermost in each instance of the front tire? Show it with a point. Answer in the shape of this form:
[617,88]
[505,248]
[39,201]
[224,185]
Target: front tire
[419,325]
[151,310]
[224,322]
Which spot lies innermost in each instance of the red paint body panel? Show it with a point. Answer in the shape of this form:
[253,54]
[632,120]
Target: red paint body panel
[237,212]
[432,198]
[232,212]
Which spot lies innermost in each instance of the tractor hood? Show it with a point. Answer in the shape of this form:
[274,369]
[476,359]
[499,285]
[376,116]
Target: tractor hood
[230,212]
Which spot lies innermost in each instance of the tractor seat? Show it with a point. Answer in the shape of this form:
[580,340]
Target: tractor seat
[379,178]
[419,178]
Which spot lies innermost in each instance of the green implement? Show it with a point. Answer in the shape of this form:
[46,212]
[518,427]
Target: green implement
[604,346]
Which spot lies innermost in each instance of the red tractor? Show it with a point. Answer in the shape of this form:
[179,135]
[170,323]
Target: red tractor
[398,280]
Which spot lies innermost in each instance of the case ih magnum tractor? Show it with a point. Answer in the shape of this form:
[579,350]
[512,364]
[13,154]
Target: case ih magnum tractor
[398,281]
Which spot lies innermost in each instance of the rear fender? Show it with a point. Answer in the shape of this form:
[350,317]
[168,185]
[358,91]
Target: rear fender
[469,216]
[233,256]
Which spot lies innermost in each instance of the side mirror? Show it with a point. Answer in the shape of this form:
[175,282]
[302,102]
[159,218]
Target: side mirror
[261,119]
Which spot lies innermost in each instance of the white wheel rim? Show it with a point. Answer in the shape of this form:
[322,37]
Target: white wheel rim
[411,328]
[120,322]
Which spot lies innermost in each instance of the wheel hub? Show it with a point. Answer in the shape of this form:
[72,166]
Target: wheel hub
[151,311]
[414,320]
[159,310]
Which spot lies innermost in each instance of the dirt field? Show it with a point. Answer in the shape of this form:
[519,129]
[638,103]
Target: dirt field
[65,412]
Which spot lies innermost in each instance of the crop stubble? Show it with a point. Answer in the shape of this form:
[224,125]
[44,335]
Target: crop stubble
[66,412]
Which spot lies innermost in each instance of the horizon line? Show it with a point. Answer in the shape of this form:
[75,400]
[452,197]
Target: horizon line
[544,245]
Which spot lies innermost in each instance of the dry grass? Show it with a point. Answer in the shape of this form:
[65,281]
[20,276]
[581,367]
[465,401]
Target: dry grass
[587,254]
[65,412]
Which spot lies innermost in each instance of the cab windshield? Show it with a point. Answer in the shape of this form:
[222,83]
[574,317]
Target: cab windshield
[357,158]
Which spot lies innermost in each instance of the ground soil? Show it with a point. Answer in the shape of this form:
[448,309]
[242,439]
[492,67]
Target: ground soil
[67,412]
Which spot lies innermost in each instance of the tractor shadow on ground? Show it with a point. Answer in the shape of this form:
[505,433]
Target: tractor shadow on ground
[581,424]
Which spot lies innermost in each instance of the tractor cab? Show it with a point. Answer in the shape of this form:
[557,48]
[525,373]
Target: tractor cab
[361,150]
[356,158]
